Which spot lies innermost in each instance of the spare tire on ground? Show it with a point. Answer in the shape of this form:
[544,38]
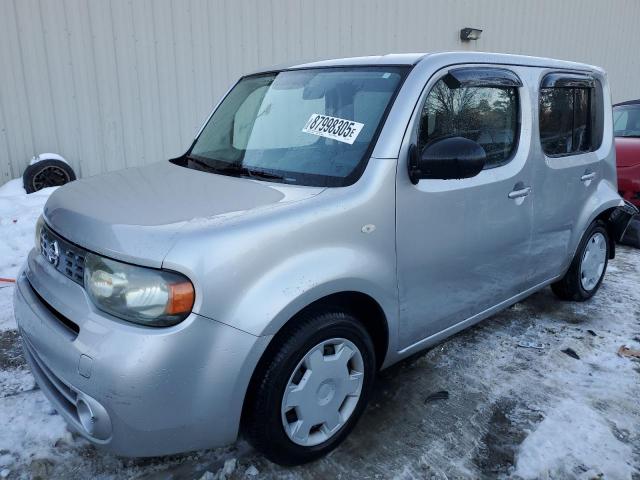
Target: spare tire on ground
[632,235]
[47,173]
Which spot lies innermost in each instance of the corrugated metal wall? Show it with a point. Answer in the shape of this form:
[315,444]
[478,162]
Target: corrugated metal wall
[116,83]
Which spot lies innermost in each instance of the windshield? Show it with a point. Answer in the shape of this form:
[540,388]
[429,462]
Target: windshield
[626,121]
[304,127]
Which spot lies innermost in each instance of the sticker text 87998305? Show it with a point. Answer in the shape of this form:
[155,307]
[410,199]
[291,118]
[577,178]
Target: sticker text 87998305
[332,127]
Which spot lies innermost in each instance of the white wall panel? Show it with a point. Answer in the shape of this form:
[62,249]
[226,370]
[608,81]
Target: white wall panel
[117,83]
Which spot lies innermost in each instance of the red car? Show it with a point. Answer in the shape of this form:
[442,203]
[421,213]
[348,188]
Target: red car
[626,129]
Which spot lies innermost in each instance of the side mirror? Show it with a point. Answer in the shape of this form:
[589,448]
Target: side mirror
[447,159]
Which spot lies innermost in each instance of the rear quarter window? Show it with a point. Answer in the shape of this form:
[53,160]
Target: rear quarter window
[570,119]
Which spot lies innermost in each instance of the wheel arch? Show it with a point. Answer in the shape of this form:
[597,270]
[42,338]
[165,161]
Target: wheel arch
[358,304]
[363,307]
[605,216]
[606,201]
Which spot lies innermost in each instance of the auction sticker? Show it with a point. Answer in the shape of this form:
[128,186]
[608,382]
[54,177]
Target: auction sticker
[332,127]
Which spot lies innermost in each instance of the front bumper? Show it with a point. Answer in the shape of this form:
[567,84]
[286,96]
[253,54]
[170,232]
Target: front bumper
[136,391]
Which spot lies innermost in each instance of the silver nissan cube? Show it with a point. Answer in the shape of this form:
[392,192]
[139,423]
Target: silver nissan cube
[328,220]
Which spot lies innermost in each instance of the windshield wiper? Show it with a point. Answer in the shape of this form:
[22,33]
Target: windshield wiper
[262,174]
[229,168]
[237,170]
[201,163]
[233,169]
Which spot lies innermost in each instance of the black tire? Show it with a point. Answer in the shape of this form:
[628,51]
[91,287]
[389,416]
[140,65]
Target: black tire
[47,173]
[262,421]
[570,286]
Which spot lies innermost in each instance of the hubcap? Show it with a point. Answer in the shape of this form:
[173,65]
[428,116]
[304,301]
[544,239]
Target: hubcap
[50,176]
[593,260]
[322,392]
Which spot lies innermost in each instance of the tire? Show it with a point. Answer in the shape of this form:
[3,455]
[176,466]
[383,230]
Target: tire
[582,281]
[47,173]
[269,424]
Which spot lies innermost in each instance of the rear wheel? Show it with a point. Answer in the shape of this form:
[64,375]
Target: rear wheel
[588,267]
[312,387]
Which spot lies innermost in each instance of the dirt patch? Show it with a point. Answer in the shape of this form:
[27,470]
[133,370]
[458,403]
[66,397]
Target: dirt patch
[507,428]
[11,350]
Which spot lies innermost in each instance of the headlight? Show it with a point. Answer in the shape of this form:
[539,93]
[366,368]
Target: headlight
[39,225]
[141,295]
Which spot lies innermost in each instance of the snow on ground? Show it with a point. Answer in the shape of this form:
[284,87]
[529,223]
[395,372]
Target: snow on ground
[512,411]
[572,433]
[47,156]
[18,215]
[29,425]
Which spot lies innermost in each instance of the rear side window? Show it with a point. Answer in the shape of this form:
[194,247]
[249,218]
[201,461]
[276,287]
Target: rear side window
[570,115]
[486,115]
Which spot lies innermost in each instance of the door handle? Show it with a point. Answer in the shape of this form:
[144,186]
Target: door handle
[588,176]
[522,192]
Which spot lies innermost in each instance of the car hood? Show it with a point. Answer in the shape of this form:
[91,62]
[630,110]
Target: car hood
[627,151]
[136,214]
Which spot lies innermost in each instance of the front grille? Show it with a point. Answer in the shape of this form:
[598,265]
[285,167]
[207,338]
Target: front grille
[66,257]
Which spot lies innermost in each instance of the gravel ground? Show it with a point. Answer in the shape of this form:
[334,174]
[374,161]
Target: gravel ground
[511,411]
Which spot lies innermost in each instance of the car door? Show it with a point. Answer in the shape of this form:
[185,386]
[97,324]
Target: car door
[463,245]
[566,168]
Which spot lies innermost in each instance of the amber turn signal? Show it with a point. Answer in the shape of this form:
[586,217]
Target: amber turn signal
[181,297]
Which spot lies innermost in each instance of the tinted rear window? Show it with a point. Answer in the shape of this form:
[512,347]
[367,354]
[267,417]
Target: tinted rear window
[570,120]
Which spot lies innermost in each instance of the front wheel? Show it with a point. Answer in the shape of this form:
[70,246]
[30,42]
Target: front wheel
[588,267]
[311,389]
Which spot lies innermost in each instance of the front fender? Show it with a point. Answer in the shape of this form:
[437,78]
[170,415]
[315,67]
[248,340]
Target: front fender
[302,279]
[257,270]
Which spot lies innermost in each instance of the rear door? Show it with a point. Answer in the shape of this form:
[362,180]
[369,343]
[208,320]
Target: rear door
[463,245]
[566,167]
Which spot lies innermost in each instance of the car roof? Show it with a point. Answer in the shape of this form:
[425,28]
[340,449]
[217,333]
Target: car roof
[628,102]
[388,59]
[410,59]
